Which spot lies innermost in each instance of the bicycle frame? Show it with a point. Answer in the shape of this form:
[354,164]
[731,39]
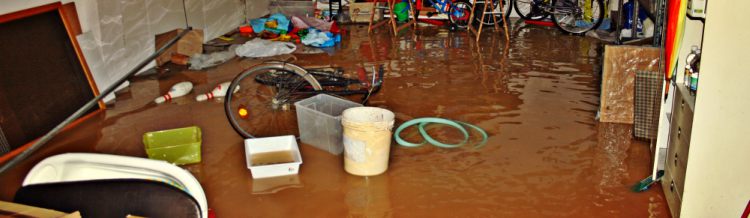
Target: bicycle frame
[373,87]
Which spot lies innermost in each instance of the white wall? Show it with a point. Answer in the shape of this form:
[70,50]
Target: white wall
[718,175]
[117,35]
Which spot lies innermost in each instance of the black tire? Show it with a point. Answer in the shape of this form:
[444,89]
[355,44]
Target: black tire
[269,109]
[507,7]
[570,16]
[528,10]
[459,13]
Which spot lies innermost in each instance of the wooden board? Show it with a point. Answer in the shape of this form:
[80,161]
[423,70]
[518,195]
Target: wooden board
[618,80]
[44,76]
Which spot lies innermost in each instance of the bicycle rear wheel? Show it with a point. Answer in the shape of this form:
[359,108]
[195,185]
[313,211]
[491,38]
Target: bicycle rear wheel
[265,108]
[507,7]
[577,16]
[530,9]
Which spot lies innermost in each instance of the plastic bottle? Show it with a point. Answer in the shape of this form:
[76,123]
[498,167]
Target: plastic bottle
[688,65]
[219,91]
[694,64]
[177,90]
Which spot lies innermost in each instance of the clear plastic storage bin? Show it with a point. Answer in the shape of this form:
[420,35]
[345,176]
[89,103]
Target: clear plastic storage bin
[319,121]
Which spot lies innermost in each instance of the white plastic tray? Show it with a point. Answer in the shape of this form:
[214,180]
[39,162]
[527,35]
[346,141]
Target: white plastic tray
[88,166]
[269,144]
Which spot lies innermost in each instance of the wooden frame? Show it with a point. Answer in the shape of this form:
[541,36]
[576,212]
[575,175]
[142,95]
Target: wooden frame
[478,32]
[69,17]
[391,19]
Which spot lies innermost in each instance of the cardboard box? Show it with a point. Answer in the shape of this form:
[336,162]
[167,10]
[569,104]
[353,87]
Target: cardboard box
[190,44]
[360,12]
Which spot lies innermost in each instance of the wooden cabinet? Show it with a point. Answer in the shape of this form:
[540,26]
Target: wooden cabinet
[673,181]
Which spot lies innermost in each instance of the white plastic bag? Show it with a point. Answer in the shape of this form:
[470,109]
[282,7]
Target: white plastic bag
[264,48]
[202,61]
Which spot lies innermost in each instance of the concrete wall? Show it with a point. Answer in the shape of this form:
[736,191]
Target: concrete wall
[119,34]
[718,177]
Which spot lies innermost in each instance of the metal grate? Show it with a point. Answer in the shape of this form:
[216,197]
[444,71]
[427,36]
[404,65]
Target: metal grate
[4,145]
[648,87]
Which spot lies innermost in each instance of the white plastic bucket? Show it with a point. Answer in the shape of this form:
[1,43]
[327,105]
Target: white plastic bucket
[367,140]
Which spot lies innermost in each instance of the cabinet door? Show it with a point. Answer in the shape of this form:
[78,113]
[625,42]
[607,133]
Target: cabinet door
[670,192]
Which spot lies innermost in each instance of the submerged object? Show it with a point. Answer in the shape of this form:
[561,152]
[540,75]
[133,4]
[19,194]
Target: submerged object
[644,184]
[177,90]
[219,91]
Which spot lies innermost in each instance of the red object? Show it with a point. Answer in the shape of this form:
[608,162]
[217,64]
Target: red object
[211,213]
[539,23]
[747,211]
[363,76]
[246,29]
[335,28]
[433,22]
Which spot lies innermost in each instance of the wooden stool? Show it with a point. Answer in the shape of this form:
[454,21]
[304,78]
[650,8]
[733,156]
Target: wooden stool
[392,18]
[487,9]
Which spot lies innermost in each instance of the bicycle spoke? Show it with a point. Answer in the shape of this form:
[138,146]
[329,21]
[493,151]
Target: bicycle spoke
[578,16]
[267,94]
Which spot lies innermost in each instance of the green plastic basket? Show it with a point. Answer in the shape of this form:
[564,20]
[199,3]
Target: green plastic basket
[177,146]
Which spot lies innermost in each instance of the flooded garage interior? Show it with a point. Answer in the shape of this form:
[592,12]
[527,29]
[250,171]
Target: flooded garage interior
[536,95]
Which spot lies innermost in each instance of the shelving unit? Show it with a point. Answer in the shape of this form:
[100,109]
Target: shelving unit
[706,144]
[693,36]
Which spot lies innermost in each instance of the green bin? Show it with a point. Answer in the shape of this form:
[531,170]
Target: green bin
[177,146]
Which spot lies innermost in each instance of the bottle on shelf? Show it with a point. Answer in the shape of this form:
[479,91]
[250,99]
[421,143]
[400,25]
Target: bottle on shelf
[692,69]
[694,64]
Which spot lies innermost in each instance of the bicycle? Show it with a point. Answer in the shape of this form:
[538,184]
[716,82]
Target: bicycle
[570,16]
[458,11]
[262,105]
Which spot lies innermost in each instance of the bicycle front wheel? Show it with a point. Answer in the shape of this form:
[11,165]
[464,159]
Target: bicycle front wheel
[263,102]
[530,9]
[577,16]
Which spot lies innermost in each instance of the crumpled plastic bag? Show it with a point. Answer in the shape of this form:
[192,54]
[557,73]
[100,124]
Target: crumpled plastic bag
[316,23]
[264,48]
[202,61]
[320,39]
[282,24]
[299,23]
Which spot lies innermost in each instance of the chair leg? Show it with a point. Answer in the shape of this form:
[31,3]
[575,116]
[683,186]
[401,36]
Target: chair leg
[393,17]
[481,20]
[494,18]
[505,22]
[471,14]
[414,14]
[372,16]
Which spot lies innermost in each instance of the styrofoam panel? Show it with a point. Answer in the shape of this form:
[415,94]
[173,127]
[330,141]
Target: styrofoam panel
[221,16]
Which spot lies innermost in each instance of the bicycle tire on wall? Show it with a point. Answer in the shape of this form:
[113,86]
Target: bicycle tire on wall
[564,24]
[231,100]
[524,10]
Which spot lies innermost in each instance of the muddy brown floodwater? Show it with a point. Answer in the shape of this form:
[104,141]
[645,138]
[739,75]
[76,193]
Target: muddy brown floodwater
[536,96]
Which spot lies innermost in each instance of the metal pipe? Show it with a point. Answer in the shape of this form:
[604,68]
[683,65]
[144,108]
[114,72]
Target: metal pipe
[80,112]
